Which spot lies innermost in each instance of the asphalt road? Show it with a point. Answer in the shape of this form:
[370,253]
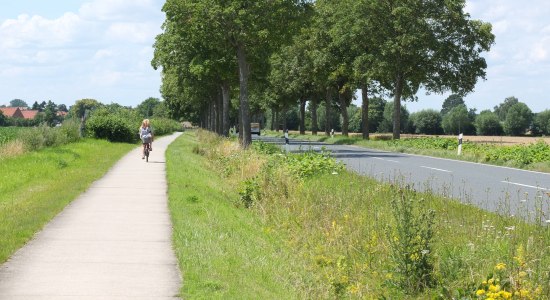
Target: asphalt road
[499,189]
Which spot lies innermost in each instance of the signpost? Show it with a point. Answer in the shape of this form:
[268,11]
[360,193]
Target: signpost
[460,144]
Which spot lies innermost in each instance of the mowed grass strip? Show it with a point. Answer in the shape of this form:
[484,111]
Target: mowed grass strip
[36,186]
[225,252]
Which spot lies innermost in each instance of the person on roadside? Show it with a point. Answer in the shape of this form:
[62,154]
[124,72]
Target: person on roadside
[146,136]
[287,141]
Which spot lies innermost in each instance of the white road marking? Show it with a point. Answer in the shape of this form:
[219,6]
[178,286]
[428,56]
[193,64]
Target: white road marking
[379,158]
[525,185]
[436,169]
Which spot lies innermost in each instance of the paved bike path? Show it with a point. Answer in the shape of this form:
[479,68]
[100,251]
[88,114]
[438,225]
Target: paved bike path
[112,242]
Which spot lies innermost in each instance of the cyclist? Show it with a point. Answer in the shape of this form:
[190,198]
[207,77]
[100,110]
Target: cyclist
[146,136]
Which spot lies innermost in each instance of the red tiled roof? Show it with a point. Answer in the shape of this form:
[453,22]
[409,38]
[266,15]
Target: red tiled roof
[29,114]
[12,112]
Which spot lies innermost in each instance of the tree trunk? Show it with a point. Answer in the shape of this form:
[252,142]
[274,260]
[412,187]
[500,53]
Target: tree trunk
[302,115]
[244,72]
[344,112]
[365,112]
[225,109]
[212,116]
[328,104]
[283,113]
[272,119]
[397,107]
[277,120]
[314,104]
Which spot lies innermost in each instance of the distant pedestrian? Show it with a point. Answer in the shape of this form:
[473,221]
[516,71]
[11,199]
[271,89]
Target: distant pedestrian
[286,137]
[332,133]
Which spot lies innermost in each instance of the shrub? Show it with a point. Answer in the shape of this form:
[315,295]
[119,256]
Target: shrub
[163,126]
[488,123]
[112,127]
[427,121]
[518,119]
[411,242]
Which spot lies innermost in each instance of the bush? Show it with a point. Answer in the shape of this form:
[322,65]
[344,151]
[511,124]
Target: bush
[113,128]
[163,126]
[427,121]
[518,119]
[488,123]
[36,138]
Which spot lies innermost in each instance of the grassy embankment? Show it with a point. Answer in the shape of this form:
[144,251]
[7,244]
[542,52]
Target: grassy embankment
[534,156]
[270,226]
[224,252]
[36,186]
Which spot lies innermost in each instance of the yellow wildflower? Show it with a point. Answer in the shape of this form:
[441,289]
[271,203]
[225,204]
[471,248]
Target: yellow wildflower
[480,292]
[522,274]
[500,266]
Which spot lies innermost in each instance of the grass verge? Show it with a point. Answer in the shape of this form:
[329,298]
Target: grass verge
[225,252]
[351,237]
[36,186]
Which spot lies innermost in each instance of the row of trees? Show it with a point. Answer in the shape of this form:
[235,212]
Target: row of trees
[275,54]
[48,111]
[510,117]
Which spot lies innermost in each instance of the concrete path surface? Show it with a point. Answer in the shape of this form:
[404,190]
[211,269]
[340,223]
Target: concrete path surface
[112,242]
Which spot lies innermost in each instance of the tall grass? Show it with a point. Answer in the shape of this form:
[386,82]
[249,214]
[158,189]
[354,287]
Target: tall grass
[225,252]
[350,237]
[36,186]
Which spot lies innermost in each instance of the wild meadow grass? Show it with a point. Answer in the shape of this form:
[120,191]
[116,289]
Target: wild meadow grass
[36,186]
[350,236]
[225,252]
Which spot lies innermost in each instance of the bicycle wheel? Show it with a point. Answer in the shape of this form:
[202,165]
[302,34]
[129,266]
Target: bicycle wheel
[146,153]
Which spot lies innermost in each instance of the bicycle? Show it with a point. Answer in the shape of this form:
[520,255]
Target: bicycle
[146,151]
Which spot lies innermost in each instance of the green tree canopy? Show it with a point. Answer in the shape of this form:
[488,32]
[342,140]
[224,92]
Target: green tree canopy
[433,44]
[502,109]
[456,120]
[146,108]
[81,106]
[427,121]
[488,123]
[518,119]
[451,102]
[18,103]
[542,120]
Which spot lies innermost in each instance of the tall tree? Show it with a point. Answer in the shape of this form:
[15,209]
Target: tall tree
[147,107]
[451,102]
[251,30]
[18,103]
[433,44]
[502,109]
[518,119]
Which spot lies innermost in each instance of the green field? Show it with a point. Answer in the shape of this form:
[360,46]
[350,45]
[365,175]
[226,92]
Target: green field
[9,133]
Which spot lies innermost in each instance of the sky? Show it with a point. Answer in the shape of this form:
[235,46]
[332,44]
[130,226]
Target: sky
[65,50]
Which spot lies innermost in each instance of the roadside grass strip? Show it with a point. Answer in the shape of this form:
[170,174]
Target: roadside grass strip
[36,186]
[261,224]
[225,252]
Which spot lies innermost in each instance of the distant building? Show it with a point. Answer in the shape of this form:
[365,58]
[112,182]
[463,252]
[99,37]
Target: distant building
[19,112]
[29,114]
[12,112]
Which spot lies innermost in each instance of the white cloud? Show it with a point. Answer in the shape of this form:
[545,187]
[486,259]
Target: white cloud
[99,45]
[132,32]
[38,31]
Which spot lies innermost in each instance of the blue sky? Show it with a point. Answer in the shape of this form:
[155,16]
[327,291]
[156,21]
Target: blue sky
[65,50]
